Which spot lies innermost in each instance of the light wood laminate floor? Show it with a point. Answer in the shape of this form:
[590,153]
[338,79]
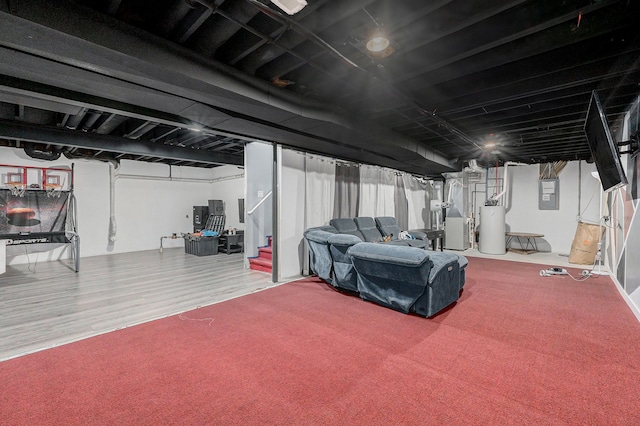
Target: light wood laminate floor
[54,305]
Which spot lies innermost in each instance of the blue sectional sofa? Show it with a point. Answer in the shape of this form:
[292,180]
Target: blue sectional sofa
[320,260]
[367,230]
[350,255]
[406,279]
[344,274]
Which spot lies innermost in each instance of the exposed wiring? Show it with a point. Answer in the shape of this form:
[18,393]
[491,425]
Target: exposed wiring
[561,272]
[579,278]
[186,318]
[588,203]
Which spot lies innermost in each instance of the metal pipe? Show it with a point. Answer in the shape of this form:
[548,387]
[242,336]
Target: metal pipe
[275,217]
[505,179]
[178,179]
[113,226]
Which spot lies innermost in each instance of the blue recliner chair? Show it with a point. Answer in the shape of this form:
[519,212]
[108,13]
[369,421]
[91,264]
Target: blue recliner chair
[347,226]
[444,284]
[344,274]
[320,260]
[367,226]
[406,279]
[388,226]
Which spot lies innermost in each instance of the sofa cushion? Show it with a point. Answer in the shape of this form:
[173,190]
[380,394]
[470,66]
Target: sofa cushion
[387,254]
[368,227]
[346,226]
[388,226]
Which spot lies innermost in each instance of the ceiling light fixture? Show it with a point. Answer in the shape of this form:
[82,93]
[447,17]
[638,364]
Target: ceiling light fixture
[378,42]
[291,7]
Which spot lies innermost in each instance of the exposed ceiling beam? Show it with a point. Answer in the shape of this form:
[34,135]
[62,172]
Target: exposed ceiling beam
[78,51]
[93,141]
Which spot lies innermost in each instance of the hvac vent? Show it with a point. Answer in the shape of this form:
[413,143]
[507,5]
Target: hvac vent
[290,6]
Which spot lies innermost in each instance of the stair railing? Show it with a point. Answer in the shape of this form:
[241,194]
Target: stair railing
[259,203]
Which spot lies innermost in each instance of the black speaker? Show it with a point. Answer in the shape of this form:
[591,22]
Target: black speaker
[216,207]
[200,216]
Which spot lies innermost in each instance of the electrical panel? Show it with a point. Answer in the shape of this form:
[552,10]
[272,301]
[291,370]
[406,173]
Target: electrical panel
[549,194]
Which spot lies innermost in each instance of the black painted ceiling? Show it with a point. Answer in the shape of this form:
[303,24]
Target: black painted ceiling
[131,79]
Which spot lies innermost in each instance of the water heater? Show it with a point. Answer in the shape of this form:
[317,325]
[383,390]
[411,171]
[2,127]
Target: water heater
[492,230]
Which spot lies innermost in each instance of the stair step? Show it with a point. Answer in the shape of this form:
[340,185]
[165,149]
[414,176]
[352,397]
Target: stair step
[259,268]
[260,261]
[265,253]
[263,262]
[260,264]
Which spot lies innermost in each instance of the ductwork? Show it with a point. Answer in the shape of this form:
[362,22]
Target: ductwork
[33,151]
[82,39]
[493,200]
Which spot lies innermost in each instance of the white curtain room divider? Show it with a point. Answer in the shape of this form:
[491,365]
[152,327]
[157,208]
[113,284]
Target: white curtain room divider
[320,182]
[376,192]
[417,194]
[347,195]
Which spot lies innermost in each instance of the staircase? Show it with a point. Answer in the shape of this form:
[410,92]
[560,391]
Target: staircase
[262,262]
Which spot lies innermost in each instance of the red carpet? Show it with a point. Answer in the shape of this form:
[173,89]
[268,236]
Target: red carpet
[517,348]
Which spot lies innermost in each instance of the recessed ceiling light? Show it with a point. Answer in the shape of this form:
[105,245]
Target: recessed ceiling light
[378,43]
[291,7]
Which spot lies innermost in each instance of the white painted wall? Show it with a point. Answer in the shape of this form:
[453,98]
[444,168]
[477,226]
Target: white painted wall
[258,160]
[558,226]
[228,186]
[151,205]
[3,257]
[152,200]
[292,213]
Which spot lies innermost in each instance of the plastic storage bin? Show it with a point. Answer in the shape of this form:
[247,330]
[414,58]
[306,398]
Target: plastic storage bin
[201,246]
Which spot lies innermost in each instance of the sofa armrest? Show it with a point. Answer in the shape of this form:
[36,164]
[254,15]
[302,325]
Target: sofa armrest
[418,235]
[344,239]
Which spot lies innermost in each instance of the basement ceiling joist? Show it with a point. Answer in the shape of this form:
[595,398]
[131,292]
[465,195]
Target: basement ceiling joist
[458,73]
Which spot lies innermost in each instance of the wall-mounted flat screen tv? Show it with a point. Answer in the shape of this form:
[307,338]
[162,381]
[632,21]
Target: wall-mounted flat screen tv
[603,149]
